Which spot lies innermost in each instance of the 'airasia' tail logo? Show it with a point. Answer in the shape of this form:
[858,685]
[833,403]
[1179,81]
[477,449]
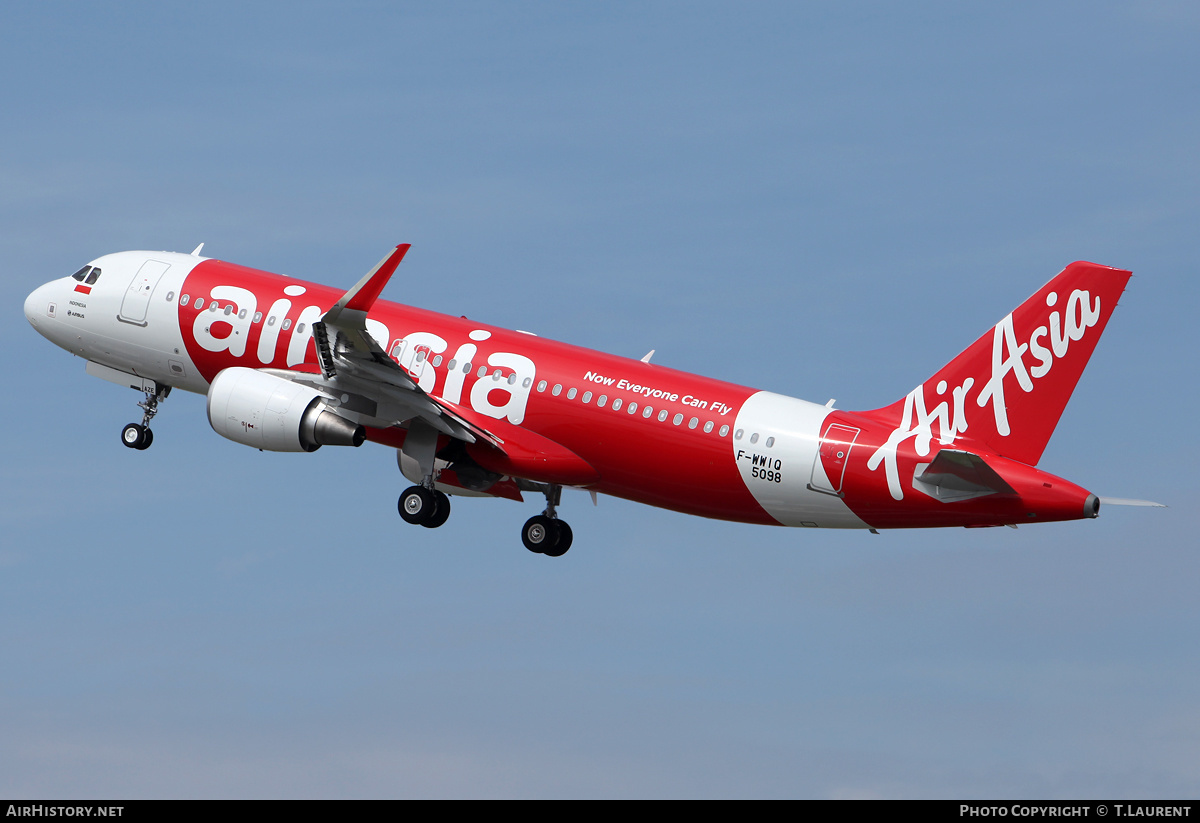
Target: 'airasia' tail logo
[1080,316]
[950,414]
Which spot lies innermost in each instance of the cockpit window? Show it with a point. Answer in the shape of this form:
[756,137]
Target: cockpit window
[79,275]
[93,277]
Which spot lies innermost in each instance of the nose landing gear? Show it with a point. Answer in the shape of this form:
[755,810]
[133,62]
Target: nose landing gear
[138,435]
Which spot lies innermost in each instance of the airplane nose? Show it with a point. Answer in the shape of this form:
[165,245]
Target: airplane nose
[39,305]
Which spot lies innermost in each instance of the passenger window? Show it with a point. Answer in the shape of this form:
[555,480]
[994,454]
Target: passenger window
[541,385]
[271,320]
[242,314]
[183,301]
[724,431]
[482,371]
[708,427]
[199,304]
[258,317]
[662,415]
[770,442]
[754,437]
[170,296]
[587,397]
[420,353]
[616,404]
[677,419]
[452,365]
[437,361]
[737,435]
[601,400]
[631,408]
[647,411]
[93,277]
[287,324]
[571,393]
[693,423]
[512,379]
[557,390]
[527,382]
[496,375]
[466,368]
[213,306]
[300,329]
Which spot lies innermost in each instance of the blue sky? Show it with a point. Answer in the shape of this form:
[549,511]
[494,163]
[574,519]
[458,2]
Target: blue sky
[820,200]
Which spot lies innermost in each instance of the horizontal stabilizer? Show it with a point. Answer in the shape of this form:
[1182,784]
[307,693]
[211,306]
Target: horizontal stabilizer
[959,475]
[1123,501]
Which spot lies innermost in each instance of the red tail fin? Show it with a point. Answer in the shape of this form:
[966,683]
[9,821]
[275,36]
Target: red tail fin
[1009,388]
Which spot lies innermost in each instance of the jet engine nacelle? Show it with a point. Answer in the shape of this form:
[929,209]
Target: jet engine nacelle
[272,413]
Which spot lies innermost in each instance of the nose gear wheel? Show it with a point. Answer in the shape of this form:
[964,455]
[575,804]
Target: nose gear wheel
[138,435]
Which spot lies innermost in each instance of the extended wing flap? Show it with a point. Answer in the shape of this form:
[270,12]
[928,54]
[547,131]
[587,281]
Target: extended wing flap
[508,449]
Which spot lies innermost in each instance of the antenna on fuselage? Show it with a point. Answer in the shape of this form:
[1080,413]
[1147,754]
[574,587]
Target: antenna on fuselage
[196,251]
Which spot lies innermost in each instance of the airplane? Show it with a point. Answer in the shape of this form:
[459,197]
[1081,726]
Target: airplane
[474,410]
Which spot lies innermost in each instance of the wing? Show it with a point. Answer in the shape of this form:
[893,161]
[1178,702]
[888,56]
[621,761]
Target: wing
[352,360]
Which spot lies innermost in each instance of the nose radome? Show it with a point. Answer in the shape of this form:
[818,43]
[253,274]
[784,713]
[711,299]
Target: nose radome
[37,305]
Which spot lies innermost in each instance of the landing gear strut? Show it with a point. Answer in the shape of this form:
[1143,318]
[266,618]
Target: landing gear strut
[544,533]
[138,435]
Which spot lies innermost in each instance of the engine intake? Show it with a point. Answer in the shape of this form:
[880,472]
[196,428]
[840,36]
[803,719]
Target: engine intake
[272,413]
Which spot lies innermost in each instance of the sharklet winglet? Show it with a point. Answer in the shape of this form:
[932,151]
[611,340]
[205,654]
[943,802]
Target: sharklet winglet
[364,294]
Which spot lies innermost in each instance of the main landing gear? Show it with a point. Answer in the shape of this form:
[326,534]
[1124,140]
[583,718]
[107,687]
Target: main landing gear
[138,435]
[544,533]
[424,507]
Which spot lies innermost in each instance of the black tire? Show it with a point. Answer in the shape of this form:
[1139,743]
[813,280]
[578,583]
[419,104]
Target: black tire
[540,534]
[564,540]
[133,436]
[147,439]
[441,511]
[416,505]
